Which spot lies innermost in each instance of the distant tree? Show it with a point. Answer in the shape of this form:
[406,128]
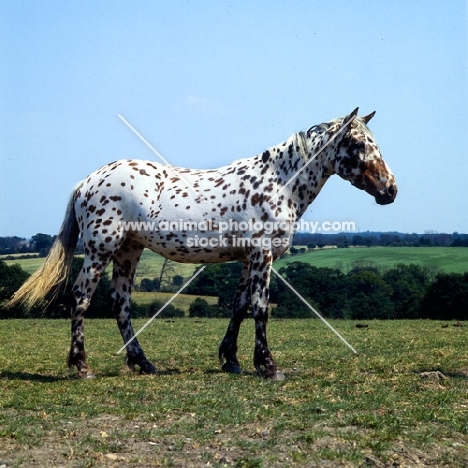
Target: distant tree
[387,238]
[12,244]
[369,295]
[424,242]
[219,279]
[143,272]
[170,311]
[167,271]
[447,298]
[323,288]
[153,308]
[361,264]
[149,285]
[200,308]
[42,243]
[11,279]
[358,240]
[460,242]
[433,271]
[409,284]
[294,308]
[178,280]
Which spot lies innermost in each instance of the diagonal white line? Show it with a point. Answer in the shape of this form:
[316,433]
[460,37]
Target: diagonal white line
[161,309]
[159,155]
[311,159]
[314,311]
[143,140]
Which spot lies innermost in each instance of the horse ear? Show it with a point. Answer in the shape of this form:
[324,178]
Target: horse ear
[353,114]
[368,117]
[349,118]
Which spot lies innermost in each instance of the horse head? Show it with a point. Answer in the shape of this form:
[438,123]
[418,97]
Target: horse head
[358,159]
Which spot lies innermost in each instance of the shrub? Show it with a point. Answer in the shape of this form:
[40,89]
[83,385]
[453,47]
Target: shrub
[149,310]
[447,298]
[178,280]
[149,285]
[200,308]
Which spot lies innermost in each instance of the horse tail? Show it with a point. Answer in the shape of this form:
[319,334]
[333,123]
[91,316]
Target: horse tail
[57,264]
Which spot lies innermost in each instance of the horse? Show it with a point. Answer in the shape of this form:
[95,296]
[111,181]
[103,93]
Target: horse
[246,211]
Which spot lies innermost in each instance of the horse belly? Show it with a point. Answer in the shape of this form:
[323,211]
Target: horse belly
[190,246]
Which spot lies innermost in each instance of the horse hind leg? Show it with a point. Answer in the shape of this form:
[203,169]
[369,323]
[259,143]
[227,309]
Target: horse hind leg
[228,347]
[125,263]
[82,292]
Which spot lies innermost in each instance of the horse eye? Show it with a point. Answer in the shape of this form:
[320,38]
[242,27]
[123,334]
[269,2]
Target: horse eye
[358,148]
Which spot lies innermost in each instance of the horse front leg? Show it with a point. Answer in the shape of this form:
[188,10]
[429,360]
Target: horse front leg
[228,347]
[259,284]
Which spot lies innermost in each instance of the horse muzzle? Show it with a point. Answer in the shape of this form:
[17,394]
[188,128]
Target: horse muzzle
[386,195]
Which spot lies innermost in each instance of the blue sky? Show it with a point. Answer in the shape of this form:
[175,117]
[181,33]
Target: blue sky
[208,82]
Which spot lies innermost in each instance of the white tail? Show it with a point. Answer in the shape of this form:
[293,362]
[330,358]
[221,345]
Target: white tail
[57,264]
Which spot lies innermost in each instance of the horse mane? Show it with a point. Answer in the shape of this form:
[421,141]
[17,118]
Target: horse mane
[300,141]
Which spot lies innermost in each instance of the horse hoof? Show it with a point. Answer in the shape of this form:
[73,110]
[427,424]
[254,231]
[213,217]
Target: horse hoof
[85,374]
[277,376]
[148,369]
[231,368]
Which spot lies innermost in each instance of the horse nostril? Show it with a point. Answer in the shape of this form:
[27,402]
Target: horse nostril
[392,190]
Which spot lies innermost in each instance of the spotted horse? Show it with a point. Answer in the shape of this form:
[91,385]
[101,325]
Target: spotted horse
[122,208]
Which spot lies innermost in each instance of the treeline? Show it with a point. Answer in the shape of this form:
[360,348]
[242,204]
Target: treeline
[365,292]
[40,243]
[381,239]
[369,292]
[38,246]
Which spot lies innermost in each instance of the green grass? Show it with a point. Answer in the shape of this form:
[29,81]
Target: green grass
[182,301]
[447,259]
[149,267]
[28,264]
[335,407]
[151,263]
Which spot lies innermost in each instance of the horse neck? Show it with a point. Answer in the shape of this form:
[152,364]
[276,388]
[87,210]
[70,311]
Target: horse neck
[304,149]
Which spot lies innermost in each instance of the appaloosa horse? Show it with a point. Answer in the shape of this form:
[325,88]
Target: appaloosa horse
[127,205]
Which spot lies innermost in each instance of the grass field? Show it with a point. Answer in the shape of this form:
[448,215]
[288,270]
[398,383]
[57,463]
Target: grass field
[149,266]
[448,259]
[182,301]
[334,408]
